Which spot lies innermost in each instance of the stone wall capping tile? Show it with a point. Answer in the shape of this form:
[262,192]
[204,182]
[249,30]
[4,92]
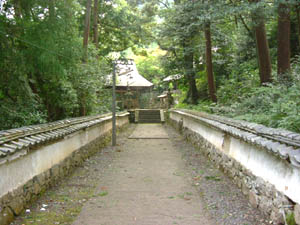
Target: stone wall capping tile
[8,132]
[246,136]
[32,141]
[19,144]
[48,136]
[14,147]
[24,137]
[16,202]
[42,137]
[250,136]
[283,151]
[297,138]
[53,134]
[254,139]
[25,142]
[36,139]
[293,135]
[261,141]
[272,146]
[7,151]
[283,132]
[276,142]
[295,157]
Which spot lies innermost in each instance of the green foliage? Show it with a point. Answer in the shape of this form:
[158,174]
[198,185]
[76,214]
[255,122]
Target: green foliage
[275,105]
[149,65]
[42,76]
[290,219]
[20,113]
[234,59]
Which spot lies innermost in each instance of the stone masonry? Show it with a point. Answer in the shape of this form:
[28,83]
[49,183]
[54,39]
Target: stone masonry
[13,203]
[261,194]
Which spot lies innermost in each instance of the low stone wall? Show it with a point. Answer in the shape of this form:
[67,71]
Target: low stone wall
[24,178]
[271,181]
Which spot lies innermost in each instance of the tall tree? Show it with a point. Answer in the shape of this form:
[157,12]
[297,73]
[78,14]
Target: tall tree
[283,35]
[264,59]
[95,26]
[17,8]
[188,61]
[209,65]
[298,20]
[87,28]
[51,9]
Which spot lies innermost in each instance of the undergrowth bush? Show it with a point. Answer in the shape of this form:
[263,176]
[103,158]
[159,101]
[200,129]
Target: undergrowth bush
[274,105]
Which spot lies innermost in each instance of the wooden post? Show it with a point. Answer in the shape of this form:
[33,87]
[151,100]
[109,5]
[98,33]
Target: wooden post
[114,141]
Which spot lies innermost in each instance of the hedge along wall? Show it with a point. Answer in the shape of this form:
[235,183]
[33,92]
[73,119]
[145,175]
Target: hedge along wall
[47,157]
[266,170]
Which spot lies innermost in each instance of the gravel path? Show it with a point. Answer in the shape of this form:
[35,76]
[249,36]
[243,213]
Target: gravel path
[145,186]
[144,181]
[224,200]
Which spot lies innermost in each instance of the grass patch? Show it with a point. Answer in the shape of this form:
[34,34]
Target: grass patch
[213,178]
[103,193]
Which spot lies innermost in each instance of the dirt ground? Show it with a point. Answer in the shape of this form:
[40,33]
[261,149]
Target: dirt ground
[157,181]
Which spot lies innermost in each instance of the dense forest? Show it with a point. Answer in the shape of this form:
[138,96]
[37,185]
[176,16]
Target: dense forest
[239,58]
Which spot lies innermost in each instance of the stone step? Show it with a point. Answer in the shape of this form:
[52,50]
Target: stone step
[149,116]
[158,113]
[149,121]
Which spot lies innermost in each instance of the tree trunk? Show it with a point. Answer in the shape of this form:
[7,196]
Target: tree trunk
[82,105]
[209,65]
[52,9]
[192,95]
[264,59]
[17,8]
[283,56]
[96,32]
[298,21]
[86,28]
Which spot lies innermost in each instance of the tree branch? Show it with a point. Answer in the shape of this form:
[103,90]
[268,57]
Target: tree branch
[165,4]
[246,26]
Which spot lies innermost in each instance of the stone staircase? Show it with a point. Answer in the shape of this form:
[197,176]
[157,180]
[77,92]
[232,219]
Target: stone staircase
[149,116]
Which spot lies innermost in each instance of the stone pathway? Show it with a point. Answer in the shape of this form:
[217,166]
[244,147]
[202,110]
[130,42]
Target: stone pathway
[145,186]
[162,180]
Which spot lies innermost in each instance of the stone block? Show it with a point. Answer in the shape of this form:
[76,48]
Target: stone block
[17,205]
[18,192]
[36,188]
[253,199]
[41,178]
[27,196]
[6,198]
[245,189]
[280,200]
[265,204]
[55,171]
[297,213]
[6,216]
[277,217]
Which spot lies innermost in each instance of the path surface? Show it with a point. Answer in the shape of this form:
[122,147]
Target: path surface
[144,186]
[144,182]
